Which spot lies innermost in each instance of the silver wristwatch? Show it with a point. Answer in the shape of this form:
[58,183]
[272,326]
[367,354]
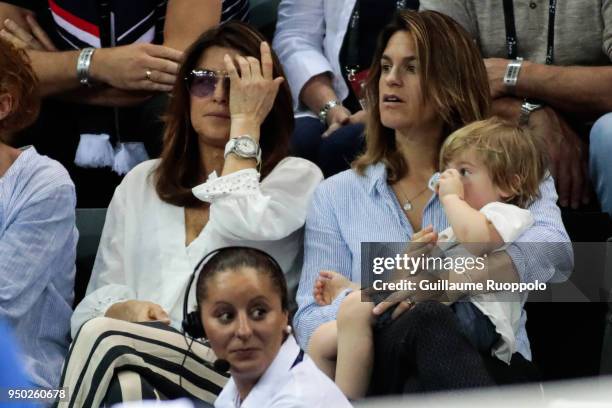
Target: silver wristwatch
[512,72]
[244,146]
[526,109]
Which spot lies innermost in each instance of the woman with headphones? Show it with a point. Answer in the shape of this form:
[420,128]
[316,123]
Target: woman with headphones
[243,311]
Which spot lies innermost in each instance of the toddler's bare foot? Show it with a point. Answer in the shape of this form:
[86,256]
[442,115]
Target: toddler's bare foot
[328,286]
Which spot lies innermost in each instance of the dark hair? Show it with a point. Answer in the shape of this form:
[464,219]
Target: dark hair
[18,79]
[453,79]
[180,168]
[231,258]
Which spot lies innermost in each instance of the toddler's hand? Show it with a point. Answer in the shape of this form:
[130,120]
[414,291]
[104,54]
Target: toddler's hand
[450,183]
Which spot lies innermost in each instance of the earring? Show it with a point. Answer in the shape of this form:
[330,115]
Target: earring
[288,329]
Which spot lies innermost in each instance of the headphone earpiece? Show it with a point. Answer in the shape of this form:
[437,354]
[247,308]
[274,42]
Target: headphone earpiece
[192,325]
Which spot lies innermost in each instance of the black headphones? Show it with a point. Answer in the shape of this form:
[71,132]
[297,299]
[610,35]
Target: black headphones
[192,323]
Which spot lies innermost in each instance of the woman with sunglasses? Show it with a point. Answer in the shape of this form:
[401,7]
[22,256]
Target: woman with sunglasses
[223,179]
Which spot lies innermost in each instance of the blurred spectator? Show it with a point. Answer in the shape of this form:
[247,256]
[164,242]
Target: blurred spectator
[326,48]
[115,101]
[563,83]
[37,232]
[12,376]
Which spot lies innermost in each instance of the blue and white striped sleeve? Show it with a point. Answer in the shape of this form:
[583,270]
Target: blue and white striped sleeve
[544,252]
[39,243]
[324,249]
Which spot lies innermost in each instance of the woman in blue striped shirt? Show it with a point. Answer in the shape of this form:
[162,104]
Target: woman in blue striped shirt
[427,80]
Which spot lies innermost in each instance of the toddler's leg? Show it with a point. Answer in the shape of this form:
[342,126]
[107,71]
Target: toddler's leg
[323,347]
[355,346]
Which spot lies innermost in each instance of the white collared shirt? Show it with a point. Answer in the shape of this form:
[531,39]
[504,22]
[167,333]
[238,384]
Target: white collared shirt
[142,253]
[287,383]
[309,36]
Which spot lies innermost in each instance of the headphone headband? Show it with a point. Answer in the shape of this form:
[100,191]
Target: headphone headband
[192,323]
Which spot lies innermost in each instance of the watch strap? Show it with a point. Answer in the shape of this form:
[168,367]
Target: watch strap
[512,72]
[527,108]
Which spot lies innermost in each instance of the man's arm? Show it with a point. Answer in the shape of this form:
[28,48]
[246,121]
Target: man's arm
[576,90]
[566,150]
[57,70]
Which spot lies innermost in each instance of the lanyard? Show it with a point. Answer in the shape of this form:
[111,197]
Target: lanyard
[511,41]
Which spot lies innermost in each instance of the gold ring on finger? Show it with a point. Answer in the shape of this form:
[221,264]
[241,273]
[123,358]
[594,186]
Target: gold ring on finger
[148,74]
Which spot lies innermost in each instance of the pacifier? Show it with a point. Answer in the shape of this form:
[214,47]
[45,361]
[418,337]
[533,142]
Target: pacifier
[433,182]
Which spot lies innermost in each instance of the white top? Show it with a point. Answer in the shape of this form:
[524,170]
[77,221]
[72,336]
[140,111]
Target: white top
[142,253]
[308,39]
[502,308]
[287,383]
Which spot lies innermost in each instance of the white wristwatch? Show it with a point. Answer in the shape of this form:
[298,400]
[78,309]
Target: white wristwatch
[512,72]
[244,146]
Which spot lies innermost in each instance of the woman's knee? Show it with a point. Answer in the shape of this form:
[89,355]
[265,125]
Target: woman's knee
[98,326]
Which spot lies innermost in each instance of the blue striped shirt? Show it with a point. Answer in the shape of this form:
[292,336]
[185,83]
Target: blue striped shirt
[348,209]
[37,252]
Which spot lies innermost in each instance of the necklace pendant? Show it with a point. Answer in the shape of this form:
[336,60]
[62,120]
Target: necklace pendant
[407,206]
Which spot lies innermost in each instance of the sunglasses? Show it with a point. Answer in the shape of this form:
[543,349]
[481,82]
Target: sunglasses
[203,82]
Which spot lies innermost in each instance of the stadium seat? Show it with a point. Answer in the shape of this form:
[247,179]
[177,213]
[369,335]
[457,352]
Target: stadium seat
[89,222]
[263,15]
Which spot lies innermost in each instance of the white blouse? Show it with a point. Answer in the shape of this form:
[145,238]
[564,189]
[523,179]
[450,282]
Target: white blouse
[142,253]
[291,381]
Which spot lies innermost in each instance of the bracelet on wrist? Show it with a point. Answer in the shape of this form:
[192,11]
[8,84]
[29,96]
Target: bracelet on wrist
[324,112]
[83,65]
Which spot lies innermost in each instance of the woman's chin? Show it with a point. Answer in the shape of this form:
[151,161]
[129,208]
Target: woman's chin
[247,368]
[392,122]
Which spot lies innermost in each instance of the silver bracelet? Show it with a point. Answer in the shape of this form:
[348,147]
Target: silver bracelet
[83,64]
[326,108]
[512,72]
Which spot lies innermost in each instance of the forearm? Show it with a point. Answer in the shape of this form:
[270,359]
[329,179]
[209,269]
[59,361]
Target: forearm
[187,19]
[469,225]
[317,92]
[570,89]
[56,71]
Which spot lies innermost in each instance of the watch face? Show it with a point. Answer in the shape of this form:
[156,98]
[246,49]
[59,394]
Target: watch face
[245,146]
